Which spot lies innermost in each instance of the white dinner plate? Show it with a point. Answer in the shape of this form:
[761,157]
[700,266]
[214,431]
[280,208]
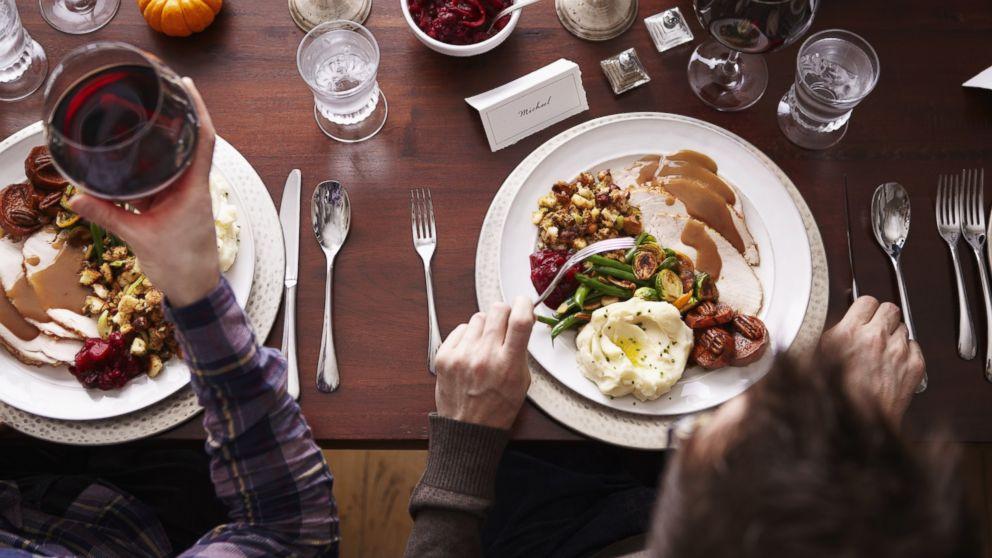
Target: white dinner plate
[785,271]
[53,392]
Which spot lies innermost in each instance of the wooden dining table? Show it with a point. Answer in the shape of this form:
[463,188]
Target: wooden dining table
[917,124]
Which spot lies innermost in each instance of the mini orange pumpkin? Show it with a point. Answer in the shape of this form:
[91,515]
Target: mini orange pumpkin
[179,18]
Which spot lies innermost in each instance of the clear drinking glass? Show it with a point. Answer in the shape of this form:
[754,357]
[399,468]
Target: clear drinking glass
[835,70]
[77,17]
[719,74]
[338,60]
[23,64]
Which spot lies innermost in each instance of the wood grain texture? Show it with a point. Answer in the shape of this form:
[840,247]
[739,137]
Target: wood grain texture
[373,489]
[917,124]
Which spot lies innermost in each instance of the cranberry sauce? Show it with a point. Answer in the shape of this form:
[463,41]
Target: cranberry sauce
[107,363]
[458,22]
[544,265]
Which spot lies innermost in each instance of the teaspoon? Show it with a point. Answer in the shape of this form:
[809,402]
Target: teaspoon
[518,5]
[890,223]
[331,211]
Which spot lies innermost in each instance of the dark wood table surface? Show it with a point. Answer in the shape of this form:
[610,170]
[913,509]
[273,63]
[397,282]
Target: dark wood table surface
[919,122]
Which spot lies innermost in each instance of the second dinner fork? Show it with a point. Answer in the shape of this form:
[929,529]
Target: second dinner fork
[949,204]
[972,182]
[424,242]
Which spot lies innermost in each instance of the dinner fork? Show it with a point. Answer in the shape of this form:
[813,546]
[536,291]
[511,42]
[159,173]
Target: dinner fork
[949,204]
[594,248]
[424,242]
[973,230]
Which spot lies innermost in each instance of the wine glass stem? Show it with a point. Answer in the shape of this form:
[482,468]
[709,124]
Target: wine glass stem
[729,72]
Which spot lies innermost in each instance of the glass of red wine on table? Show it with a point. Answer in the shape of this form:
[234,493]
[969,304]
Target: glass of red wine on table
[119,123]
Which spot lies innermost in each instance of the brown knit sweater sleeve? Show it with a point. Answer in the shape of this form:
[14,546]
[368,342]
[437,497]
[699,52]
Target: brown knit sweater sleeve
[451,499]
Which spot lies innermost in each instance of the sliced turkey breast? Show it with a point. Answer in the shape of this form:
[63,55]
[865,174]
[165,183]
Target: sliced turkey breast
[739,286]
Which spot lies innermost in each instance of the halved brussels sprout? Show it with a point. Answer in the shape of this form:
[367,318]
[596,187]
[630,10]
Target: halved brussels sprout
[66,219]
[705,287]
[646,293]
[653,248]
[668,285]
[645,264]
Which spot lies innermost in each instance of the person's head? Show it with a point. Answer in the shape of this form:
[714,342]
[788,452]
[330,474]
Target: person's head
[799,468]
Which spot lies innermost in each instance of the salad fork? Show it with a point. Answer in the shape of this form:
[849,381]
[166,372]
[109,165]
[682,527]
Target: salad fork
[424,242]
[594,248]
[972,181]
[949,207]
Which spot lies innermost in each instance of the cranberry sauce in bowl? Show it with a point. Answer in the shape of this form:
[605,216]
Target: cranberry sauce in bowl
[458,22]
[459,27]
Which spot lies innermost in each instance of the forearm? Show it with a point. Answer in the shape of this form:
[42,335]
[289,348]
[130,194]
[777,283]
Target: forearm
[449,503]
[264,463]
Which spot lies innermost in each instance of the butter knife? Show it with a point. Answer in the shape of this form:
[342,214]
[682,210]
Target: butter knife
[289,216]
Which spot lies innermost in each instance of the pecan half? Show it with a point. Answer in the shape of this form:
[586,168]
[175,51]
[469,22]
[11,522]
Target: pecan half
[41,171]
[714,348]
[709,314]
[24,217]
[750,340]
[50,203]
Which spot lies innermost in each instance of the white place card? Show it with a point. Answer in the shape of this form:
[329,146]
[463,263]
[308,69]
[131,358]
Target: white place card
[531,103]
[983,80]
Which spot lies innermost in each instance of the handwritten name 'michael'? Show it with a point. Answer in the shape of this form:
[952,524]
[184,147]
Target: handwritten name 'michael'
[535,108]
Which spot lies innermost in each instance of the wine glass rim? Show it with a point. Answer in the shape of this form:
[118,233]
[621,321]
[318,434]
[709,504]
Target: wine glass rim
[856,40]
[335,24]
[153,62]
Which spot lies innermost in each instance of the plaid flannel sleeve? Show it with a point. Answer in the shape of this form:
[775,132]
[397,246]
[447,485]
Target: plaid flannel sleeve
[264,463]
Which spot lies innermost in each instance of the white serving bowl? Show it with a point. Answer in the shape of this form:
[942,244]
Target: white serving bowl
[459,50]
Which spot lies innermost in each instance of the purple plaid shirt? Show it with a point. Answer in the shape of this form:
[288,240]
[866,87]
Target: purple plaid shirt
[264,463]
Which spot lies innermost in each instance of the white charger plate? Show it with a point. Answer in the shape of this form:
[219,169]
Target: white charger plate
[53,392]
[772,216]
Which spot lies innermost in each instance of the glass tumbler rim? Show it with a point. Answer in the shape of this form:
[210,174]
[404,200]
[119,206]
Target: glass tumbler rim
[51,104]
[332,25]
[854,39]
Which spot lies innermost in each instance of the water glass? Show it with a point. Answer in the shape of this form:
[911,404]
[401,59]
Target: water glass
[77,17]
[338,60]
[835,70]
[23,64]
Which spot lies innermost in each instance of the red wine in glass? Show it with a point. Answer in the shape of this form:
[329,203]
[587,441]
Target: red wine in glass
[125,128]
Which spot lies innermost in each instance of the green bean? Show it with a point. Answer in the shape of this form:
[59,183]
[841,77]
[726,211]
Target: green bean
[546,320]
[569,322]
[566,307]
[618,273]
[596,259]
[580,295]
[668,263]
[607,289]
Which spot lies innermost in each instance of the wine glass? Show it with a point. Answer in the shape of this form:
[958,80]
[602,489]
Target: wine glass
[77,17]
[119,122]
[719,72]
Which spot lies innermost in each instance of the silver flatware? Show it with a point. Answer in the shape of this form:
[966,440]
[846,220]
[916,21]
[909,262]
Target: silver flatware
[424,242]
[518,5]
[950,199]
[289,217]
[594,248]
[331,213]
[850,249]
[890,221]
[973,229]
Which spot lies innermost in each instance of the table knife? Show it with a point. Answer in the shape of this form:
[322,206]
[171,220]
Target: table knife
[850,249]
[289,216]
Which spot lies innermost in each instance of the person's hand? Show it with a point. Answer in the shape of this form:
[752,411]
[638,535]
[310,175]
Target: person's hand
[880,363]
[482,374]
[173,236]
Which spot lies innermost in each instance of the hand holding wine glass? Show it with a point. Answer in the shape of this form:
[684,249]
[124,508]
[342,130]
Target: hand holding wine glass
[173,236]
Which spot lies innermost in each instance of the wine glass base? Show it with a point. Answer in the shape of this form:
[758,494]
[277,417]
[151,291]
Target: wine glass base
[594,20]
[33,67]
[308,14]
[720,89]
[61,16]
[803,136]
[354,133]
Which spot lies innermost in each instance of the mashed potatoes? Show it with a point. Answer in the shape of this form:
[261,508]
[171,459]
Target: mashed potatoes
[634,347]
[225,220]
